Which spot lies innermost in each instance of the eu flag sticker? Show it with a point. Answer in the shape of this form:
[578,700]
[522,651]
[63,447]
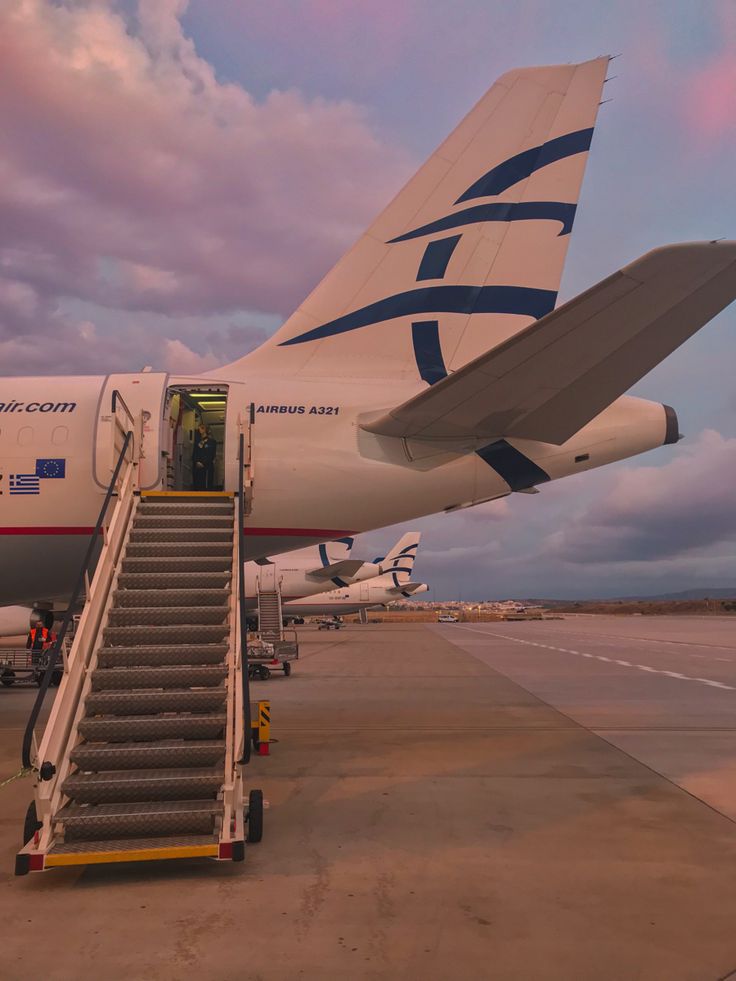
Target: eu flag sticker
[51,468]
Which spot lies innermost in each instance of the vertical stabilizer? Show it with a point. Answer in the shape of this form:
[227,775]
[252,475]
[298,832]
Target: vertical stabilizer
[468,253]
[399,562]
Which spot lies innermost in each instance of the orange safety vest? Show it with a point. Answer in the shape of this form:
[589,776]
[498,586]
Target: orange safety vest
[43,637]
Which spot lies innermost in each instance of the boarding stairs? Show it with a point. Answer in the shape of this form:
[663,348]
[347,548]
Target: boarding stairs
[272,647]
[270,624]
[143,753]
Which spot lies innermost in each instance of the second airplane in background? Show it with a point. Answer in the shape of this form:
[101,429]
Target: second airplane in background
[396,583]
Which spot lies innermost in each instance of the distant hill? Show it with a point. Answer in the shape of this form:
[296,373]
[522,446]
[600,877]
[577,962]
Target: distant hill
[688,594]
[715,592]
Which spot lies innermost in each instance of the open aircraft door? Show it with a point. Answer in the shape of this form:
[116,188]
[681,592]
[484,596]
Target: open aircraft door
[143,395]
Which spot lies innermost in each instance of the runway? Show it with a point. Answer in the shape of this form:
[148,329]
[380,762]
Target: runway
[461,801]
[662,689]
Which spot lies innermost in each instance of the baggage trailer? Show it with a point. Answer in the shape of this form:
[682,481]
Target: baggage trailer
[21,666]
[265,656]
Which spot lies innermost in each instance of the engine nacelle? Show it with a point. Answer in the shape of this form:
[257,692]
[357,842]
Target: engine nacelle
[626,428]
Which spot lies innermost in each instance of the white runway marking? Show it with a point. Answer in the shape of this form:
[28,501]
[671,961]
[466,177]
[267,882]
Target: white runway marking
[601,657]
[658,640]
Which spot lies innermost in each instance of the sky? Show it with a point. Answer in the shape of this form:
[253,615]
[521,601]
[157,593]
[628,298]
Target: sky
[175,178]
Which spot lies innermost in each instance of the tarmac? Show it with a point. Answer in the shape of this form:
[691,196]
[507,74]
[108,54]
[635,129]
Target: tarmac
[523,800]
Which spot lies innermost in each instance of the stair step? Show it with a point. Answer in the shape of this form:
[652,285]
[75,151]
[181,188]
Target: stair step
[119,786]
[149,728]
[183,510]
[145,518]
[189,549]
[173,581]
[139,616]
[177,563]
[138,703]
[188,634]
[148,524]
[170,597]
[146,655]
[181,535]
[172,754]
[114,846]
[178,676]
[149,818]
[222,530]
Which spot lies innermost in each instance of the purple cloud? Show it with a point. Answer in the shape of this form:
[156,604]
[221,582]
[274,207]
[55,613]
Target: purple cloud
[131,178]
[652,513]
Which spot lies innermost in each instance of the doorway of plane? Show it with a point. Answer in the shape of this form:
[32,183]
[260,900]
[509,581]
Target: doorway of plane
[187,407]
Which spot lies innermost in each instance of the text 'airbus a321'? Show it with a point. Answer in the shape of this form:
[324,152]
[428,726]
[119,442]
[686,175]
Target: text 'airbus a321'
[428,371]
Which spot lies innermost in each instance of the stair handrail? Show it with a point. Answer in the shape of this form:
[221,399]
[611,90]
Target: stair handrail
[53,655]
[243,618]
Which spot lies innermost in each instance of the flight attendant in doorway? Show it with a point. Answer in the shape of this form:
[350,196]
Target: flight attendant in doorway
[203,459]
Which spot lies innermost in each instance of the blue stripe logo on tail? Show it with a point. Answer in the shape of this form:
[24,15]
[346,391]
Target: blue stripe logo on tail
[522,300]
[524,164]
[510,211]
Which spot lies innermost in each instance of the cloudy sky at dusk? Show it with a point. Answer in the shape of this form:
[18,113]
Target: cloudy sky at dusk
[175,178]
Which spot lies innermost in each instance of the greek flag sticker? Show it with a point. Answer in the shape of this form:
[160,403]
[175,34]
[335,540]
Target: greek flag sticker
[24,483]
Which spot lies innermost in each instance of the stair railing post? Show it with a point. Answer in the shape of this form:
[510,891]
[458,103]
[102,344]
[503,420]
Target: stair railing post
[245,680]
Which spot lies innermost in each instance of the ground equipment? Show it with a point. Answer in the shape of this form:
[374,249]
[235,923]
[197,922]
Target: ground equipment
[143,754]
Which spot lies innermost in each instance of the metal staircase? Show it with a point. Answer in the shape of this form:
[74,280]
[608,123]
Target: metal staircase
[270,625]
[141,758]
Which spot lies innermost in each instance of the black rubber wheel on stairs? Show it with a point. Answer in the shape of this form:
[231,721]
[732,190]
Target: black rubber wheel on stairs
[31,824]
[287,669]
[255,816]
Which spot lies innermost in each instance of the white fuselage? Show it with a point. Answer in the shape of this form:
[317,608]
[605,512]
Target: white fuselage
[317,475]
[350,599]
[290,574]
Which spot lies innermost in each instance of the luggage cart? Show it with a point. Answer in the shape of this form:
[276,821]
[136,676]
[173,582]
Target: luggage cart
[266,656]
[21,666]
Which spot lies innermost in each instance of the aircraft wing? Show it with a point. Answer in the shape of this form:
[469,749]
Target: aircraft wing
[548,381]
[345,569]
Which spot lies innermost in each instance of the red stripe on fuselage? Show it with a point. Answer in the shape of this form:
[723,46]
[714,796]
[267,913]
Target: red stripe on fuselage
[324,534]
[70,530]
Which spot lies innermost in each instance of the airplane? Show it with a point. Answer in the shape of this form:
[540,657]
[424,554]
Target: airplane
[394,584]
[307,571]
[429,371]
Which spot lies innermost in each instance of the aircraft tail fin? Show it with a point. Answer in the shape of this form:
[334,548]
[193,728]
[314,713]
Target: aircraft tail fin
[469,252]
[399,561]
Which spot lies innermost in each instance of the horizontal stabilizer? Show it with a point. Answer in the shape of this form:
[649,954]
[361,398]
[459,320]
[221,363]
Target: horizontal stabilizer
[345,569]
[407,587]
[548,381]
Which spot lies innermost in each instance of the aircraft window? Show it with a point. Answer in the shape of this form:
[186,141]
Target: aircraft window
[59,435]
[25,435]
[582,458]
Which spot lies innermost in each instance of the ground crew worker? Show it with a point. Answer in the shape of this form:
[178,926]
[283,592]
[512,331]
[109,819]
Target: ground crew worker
[37,641]
[203,459]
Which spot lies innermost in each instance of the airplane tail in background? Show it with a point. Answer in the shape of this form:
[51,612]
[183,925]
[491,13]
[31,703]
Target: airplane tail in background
[469,253]
[338,568]
[399,562]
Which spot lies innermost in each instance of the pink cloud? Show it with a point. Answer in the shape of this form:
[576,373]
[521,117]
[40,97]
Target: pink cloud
[699,96]
[710,108]
[132,179]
